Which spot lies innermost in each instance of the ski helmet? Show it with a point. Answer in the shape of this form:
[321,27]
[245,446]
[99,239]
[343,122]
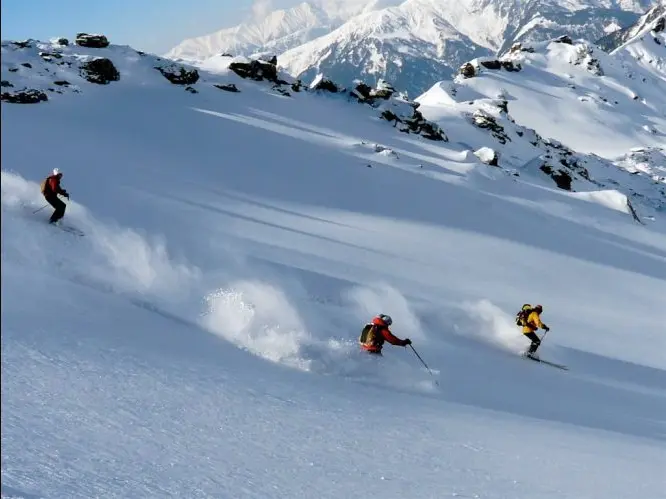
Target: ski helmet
[386,319]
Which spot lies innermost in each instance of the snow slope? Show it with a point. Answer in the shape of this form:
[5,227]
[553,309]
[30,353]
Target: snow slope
[609,107]
[199,340]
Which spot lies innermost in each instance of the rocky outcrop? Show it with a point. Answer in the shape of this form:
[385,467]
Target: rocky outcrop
[561,177]
[467,70]
[564,39]
[496,64]
[471,69]
[179,75]
[100,71]
[485,120]
[325,84]
[228,88]
[257,70]
[91,41]
[585,57]
[26,96]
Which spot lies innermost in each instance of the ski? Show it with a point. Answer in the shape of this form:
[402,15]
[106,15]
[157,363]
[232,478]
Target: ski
[547,362]
[71,230]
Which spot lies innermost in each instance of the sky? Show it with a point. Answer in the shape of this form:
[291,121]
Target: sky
[150,25]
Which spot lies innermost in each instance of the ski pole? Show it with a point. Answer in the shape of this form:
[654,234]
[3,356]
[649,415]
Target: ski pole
[423,362]
[40,209]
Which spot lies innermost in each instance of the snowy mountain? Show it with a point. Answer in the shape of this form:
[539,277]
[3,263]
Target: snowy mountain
[200,338]
[621,36]
[275,31]
[423,41]
[411,43]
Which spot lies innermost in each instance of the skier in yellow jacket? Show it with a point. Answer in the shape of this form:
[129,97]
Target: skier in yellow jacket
[531,324]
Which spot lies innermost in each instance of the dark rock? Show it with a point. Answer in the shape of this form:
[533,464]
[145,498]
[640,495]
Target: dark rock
[511,67]
[484,120]
[390,116]
[141,53]
[91,41]
[361,91]
[227,54]
[191,90]
[62,41]
[467,70]
[297,86]
[24,44]
[518,47]
[272,60]
[26,96]
[564,39]
[660,26]
[5,84]
[561,177]
[494,64]
[178,75]
[229,88]
[100,71]
[429,130]
[281,91]
[257,70]
[26,65]
[62,83]
[49,56]
[325,84]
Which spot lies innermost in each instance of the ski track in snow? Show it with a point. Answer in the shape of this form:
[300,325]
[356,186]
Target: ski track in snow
[200,340]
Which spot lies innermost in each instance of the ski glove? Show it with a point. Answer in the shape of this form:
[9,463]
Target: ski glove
[66,194]
[546,328]
[407,342]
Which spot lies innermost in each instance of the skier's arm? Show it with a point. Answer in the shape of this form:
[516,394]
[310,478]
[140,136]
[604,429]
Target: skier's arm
[394,340]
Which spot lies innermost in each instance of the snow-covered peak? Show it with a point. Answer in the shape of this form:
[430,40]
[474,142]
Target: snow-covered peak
[646,42]
[420,41]
[275,31]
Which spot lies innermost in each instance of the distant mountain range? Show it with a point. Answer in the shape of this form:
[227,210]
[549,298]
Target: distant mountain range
[410,43]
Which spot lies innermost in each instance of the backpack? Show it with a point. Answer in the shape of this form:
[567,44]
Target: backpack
[522,316]
[368,334]
[43,186]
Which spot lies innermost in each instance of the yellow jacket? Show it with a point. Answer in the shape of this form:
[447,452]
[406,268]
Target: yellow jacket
[533,323]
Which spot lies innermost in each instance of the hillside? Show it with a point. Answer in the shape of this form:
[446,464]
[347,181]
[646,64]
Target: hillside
[200,339]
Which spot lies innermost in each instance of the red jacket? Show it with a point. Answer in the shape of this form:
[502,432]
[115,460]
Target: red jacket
[53,186]
[381,333]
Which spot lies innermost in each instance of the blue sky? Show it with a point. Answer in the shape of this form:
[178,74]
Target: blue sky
[150,25]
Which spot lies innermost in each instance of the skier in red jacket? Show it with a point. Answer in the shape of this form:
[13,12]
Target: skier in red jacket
[50,189]
[377,332]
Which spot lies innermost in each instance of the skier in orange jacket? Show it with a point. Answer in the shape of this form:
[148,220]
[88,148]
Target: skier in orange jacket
[377,332]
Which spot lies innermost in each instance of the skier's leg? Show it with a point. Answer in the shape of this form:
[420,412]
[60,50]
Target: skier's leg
[535,343]
[59,209]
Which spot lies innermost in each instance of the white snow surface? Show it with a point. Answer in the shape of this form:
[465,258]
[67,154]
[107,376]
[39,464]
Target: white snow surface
[200,339]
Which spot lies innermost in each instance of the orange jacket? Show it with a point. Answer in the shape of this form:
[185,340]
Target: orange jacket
[533,323]
[380,333]
[53,186]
